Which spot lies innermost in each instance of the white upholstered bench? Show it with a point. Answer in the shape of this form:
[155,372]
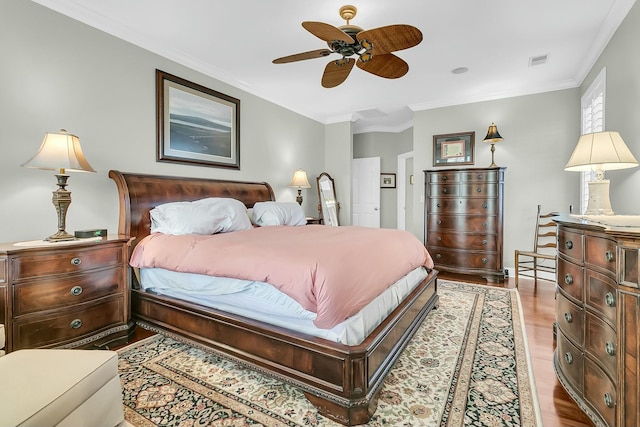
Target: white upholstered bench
[55,387]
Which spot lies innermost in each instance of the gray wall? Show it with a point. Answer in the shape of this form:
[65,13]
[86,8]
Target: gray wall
[622,106]
[540,132]
[387,146]
[58,73]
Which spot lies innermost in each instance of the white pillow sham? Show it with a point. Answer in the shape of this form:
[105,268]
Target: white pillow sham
[278,213]
[205,216]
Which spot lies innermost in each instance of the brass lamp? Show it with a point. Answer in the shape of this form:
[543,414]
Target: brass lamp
[60,152]
[492,137]
[598,152]
[300,181]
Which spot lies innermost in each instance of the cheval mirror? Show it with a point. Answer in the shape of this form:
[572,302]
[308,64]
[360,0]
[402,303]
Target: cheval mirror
[328,207]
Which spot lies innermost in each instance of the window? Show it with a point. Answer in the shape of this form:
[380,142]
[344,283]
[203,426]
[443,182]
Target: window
[592,105]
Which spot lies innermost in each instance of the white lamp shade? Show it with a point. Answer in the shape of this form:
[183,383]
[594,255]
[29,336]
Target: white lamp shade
[300,179]
[600,150]
[60,151]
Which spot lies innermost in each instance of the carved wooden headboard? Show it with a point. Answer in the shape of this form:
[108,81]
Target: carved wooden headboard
[139,193]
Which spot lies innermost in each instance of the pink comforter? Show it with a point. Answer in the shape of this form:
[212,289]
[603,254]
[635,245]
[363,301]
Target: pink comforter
[332,271]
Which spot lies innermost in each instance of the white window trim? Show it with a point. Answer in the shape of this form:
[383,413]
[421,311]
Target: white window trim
[596,89]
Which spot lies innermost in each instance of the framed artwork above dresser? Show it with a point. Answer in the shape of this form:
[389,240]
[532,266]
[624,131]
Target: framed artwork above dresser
[464,220]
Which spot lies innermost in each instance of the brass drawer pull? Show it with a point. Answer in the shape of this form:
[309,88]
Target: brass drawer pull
[479,177]
[444,178]
[439,221]
[609,348]
[76,290]
[444,190]
[568,357]
[609,299]
[568,279]
[568,317]
[484,260]
[484,225]
[438,256]
[485,206]
[76,261]
[75,324]
[439,239]
[608,400]
[608,256]
[484,242]
[438,204]
[569,244]
[479,190]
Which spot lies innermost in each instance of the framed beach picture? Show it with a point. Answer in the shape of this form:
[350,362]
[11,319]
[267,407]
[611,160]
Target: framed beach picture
[453,149]
[196,125]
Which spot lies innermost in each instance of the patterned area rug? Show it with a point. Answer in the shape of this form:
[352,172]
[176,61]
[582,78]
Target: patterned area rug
[468,364]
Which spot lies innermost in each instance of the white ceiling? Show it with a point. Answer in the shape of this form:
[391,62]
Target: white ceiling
[236,40]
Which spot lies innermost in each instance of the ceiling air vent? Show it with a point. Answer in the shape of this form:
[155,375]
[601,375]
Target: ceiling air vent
[538,60]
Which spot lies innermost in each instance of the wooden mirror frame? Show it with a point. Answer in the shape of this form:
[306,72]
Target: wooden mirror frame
[322,201]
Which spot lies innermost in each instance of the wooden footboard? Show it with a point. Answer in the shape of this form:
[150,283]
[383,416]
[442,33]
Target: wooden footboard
[341,381]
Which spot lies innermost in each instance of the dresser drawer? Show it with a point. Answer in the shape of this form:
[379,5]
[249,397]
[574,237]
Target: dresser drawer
[600,392]
[444,177]
[474,206]
[600,294]
[570,244]
[571,361]
[468,241]
[570,318]
[67,325]
[461,223]
[600,342]
[464,259]
[570,278]
[481,176]
[479,190]
[452,190]
[56,292]
[601,253]
[64,261]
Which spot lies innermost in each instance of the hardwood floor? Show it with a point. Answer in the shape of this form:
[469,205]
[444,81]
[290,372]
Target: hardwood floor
[558,409]
[538,306]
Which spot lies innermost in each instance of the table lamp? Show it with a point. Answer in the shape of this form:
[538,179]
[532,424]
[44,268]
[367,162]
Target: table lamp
[300,181]
[60,152]
[492,137]
[600,151]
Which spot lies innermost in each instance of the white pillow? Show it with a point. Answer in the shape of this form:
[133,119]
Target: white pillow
[278,213]
[205,216]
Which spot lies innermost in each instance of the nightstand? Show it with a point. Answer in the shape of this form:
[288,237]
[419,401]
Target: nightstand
[312,220]
[65,295]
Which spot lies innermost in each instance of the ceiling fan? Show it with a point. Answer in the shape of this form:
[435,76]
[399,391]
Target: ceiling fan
[372,47]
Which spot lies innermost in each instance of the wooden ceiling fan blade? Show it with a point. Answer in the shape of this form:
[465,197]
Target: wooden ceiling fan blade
[320,53]
[391,38]
[337,72]
[326,32]
[386,65]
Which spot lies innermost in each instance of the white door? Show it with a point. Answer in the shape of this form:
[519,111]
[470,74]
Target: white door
[366,192]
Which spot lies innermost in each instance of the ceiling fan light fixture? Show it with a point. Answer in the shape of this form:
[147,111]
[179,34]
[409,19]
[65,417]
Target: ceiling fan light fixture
[365,57]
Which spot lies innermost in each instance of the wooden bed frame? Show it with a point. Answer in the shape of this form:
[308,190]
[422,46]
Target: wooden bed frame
[341,381]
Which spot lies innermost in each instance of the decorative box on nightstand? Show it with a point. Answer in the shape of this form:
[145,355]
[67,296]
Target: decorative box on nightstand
[67,294]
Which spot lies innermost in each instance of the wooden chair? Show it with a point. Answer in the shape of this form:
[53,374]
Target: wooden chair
[542,259]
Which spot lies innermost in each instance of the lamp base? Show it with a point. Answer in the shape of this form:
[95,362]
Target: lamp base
[599,203]
[60,236]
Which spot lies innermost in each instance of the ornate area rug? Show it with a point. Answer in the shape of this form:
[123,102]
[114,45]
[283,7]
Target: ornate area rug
[468,364]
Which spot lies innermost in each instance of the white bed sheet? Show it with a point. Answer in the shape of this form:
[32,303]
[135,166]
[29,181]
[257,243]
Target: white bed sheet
[263,302]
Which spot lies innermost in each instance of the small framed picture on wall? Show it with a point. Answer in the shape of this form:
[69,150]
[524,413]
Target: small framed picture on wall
[387,180]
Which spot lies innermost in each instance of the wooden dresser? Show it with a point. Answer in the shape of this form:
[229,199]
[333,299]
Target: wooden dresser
[65,294]
[598,318]
[464,220]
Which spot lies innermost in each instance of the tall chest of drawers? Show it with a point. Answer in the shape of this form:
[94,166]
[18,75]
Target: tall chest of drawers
[597,357]
[64,294]
[464,220]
